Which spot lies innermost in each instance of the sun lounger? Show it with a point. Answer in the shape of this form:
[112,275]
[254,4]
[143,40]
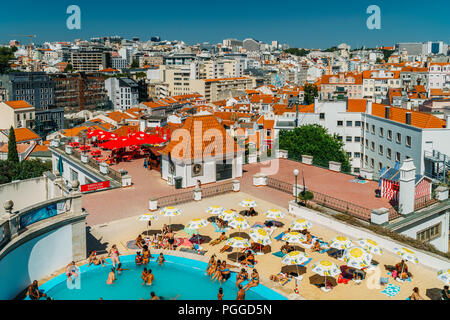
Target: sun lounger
[279,254]
[278,237]
[217,229]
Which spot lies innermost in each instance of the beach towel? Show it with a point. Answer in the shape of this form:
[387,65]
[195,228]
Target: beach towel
[217,229]
[391,290]
[278,237]
[279,254]
[188,250]
[132,245]
[185,242]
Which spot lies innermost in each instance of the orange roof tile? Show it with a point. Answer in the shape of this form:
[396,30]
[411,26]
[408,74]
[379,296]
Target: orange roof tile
[25,134]
[356,105]
[19,104]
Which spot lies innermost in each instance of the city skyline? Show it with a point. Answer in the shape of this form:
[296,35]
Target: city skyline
[320,25]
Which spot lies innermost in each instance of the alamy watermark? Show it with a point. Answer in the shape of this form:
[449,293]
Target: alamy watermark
[73,22]
[374,20]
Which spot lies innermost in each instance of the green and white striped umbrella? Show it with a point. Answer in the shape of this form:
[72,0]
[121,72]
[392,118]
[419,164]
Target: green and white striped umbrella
[238,242]
[215,210]
[239,223]
[326,268]
[274,214]
[197,223]
[247,203]
[295,258]
[293,237]
[357,257]
[444,276]
[407,254]
[228,215]
[170,212]
[370,246]
[148,217]
[340,243]
[300,224]
[261,236]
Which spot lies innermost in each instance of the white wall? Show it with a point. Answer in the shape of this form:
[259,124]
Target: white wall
[24,193]
[35,260]
[426,259]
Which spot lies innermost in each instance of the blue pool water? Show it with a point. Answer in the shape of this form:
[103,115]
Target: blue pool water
[179,278]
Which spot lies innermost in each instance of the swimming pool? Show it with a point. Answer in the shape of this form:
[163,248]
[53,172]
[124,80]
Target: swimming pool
[179,278]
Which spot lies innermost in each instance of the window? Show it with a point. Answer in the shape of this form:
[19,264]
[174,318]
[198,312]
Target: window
[366,159]
[367,126]
[399,137]
[322,116]
[349,123]
[73,175]
[380,149]
[408,141]
[372,146]
[389,153]
[340,123]
[381,132]
[389,136]
[349,154]
[398,156]
[339,138]
[348,139]
[372,163]
[373,129]
[380,166]
[356,154]
[357,123]
[367,143]
[357,139]
[430,233]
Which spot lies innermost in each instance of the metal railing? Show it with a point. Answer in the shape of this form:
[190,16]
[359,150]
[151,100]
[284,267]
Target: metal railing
[176,198]
[422,202]
[280,185]
[217,189]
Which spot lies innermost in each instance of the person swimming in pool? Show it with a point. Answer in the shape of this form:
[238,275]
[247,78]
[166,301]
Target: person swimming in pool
[217,272]
[111,276]
[138,258]
[220,294]
[146,255]
[254,280]
[241,277]
[225,273]
[161,259]
[144,276]
[150,277]
[153,296]
[241,293]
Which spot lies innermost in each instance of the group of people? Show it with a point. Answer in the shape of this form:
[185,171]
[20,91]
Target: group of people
[165,240]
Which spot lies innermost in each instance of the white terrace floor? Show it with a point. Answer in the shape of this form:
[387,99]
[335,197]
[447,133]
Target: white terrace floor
[120,231]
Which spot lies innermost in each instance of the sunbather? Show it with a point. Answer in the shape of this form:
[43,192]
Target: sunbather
[286,248]
[241,277]
[220,239]
[140,241]
[225,248]
[308,238]
[249,259]
[281,277]
[316,246]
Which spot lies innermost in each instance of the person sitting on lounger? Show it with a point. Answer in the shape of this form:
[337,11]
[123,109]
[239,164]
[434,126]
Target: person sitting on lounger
[220,239]
[281,277]
[251,212]
[286,248]
[308,238]
[254,280]
[249,259]
[140,241]
[402,270]
[316,246]
[225,248]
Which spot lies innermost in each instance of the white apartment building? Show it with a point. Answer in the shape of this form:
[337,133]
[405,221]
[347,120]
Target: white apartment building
[439,75]
[122,93]
[16,114]
[376,83]
[119,63]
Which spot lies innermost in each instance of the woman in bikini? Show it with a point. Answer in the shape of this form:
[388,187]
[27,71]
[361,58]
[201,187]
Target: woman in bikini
[138,258]
[212,268]
[146,256]
[241,277]
[93,259]
[111,276]
[170,240]
[225,273]
[210,263]
[144,276]
[254,281]
[217,272]
[316,246]
[140,241]
[114,254]
[220,239]
[249,260]
[161,259]
[150,277]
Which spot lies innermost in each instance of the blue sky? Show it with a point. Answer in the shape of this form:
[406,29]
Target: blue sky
[313,24]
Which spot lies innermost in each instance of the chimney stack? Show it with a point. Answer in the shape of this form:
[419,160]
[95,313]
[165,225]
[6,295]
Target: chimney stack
[408,118]
[386,112]
[407,187]
[369,107]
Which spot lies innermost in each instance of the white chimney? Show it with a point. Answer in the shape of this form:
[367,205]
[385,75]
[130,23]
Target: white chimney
[369,107]
[407,187]
[447,119]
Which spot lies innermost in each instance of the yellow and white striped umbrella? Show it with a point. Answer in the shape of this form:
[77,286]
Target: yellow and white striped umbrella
[238,242]
[261,236]
[357,257]
[247,203]
[444,276]
[274,214]
[170,212]
[228,215]
[239,223]
[197,223]
[370,246]
[300,224]
[340,243]
[326,268]
[148,217]
[293,237]
[295,258]
[407,254]
[215,210]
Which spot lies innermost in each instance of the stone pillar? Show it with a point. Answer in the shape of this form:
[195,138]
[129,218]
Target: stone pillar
[306,159]
[69,149]
[153,204]
[197,194]
[334,166]
[379,216]
[252,158]
[13,221]
[259,179]
[79,240]
[76,198]
[441,193]
[282,154]
[126,180]
[104,168]
[407,187]
[236,185]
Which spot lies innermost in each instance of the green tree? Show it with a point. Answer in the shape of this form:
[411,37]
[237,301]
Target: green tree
[135,64]
[305,197]
[297,52]
[387,54]
[311,92]
[68,68]
[314,140]
[13,155]
[6,55]
[27,169]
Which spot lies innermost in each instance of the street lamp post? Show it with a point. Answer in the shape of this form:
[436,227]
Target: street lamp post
[296,194]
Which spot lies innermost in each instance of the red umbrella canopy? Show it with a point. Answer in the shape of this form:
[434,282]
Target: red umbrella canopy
[153,139]
[118,143]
